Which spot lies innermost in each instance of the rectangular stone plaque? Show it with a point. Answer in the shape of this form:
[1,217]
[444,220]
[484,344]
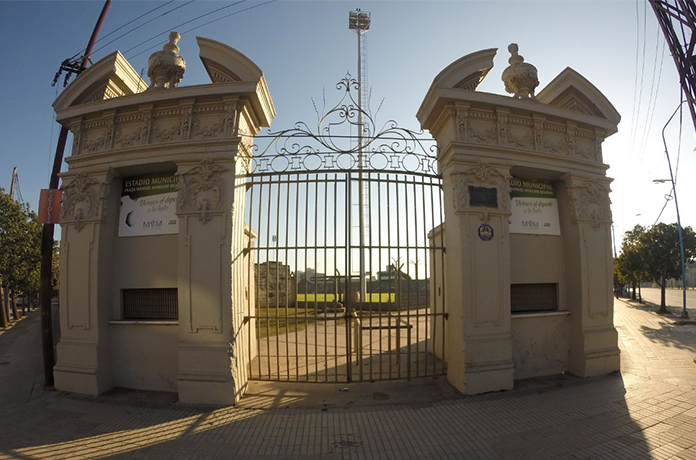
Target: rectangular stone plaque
[483,197]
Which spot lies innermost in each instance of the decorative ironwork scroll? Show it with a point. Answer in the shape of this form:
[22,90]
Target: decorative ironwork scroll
[367,146]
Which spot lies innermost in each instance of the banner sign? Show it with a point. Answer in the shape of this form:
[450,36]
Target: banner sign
[49,206]
[534,207]
[148,205]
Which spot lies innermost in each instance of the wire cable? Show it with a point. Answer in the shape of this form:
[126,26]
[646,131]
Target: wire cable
[652,102]
[50,142]
[141,25]
[681,119]
[668,198]
[635,80]
[124,25]
[18,190]
[642,76]
[183,24]
[205,24]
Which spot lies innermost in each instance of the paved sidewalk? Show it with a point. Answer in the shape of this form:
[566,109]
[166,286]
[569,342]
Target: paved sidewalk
[646,412]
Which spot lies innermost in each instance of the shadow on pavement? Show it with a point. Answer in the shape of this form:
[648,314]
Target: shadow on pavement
[671,335]
[586,418]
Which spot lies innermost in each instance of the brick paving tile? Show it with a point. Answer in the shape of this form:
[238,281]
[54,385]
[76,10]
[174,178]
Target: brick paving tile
[648,411]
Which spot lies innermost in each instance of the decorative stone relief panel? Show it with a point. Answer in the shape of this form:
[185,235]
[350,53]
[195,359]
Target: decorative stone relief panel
[127,132]
[209,127]
[502,128]
[150,125]
[462,111]
[520,133]
[82,201]
[589,201]
[481,175]
[202,190]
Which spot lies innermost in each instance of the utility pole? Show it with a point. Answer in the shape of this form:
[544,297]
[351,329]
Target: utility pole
[48,229]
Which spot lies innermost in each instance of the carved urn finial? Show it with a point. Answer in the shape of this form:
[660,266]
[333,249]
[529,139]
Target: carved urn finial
[166,67]
[520,77]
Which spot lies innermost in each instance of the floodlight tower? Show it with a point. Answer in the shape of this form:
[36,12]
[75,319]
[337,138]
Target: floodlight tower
[359,21]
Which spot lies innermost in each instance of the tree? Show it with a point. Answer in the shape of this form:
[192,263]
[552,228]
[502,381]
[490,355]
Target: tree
[20,247]
[630,264]
[661,255]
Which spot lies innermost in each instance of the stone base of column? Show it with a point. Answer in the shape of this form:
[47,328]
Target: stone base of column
[81,374]
[488,366]
[600,354]
[205,375]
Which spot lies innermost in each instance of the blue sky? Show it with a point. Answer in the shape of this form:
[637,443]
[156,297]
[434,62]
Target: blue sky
[303,46]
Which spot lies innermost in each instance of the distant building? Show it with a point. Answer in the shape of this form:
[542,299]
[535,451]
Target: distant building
[275,284]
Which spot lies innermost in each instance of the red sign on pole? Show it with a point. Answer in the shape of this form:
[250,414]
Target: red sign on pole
[49,206]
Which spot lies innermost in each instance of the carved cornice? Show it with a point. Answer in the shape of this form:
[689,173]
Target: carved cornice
[589,201]
[82,201]
[149,125]
[482,175]
[202,191]
[501,127]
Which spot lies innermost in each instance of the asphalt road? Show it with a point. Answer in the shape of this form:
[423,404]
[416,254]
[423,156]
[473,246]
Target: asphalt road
[673,297]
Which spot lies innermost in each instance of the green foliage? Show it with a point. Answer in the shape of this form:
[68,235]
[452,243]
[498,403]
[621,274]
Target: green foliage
[653,254]
[20,246]
[659,247]
[630,265]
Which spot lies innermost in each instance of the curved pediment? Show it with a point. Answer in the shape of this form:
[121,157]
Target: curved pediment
[571,91]
[112,76]
[225,64]
[466,72]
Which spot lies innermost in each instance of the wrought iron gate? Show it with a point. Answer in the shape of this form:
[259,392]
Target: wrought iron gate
[348,260]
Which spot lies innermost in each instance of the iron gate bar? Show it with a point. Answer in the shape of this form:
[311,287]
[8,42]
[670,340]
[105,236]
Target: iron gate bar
[396,169]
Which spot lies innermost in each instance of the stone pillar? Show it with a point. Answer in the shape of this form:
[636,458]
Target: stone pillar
[594,339]
[484,140]
[204,134]
[204,205]
[478,275]
[83,361]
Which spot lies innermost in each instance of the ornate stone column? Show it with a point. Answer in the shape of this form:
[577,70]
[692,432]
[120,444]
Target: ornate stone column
[478,275]
[204,206]
[587,221]
[85,252]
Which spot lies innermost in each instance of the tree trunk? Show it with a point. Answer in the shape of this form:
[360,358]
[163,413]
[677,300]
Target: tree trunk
[6,302]
[4,322]
[663,305]
[15,313]
[633,290]
[640,294]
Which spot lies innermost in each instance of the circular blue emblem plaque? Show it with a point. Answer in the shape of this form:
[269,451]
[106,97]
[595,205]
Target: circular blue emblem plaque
[485,232]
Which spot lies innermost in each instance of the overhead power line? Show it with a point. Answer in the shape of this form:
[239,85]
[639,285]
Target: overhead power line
[681,45]
[143,24]
[183,24]
[199,26]
[127,24]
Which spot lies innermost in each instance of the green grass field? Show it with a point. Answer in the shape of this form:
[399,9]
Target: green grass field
[372,297]
[276,321]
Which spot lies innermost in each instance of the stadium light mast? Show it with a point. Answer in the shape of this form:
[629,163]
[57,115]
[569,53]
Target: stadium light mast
[359,21]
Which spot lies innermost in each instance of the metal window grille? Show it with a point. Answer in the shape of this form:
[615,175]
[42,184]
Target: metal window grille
[534,297]
[150,304]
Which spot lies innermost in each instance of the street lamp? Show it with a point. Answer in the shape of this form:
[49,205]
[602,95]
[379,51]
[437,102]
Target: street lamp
[685,313]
